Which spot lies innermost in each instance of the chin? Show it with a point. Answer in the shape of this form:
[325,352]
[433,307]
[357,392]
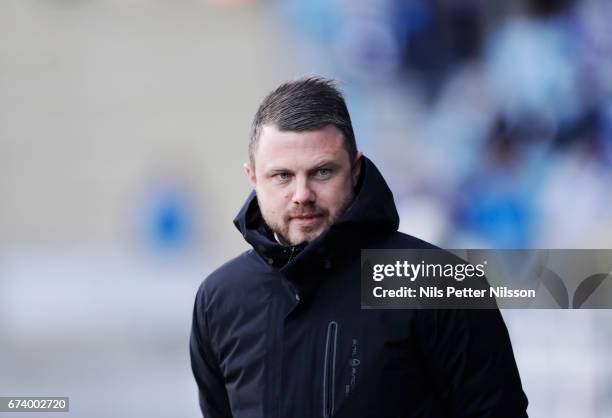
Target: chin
[303,237]
[297,240]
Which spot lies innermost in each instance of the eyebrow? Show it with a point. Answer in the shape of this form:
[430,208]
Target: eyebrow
[318,165]
[276,169]
[328,163]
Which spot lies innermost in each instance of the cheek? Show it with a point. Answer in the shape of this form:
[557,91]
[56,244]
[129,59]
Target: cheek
[334,194]
[272,199]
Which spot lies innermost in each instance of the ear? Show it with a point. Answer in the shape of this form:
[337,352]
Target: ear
[250,172]
[356,168]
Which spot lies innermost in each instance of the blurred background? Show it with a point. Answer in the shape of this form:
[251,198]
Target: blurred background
[124,126]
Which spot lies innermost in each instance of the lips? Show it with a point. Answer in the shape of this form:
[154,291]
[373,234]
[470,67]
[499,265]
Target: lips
[307,220]
[306,216]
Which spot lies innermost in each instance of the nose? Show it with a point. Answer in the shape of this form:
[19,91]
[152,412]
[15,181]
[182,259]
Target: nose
[303,193]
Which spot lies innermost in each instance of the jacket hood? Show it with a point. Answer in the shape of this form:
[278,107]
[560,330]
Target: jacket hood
[372,213]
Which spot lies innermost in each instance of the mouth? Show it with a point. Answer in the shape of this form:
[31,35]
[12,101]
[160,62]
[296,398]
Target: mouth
[307,220]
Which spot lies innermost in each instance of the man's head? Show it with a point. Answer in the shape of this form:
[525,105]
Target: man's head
[304,161]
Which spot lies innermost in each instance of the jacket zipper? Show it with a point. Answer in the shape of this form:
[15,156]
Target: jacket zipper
[329,369]
[291,255]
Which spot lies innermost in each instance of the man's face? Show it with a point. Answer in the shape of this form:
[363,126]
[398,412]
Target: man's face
[304,180]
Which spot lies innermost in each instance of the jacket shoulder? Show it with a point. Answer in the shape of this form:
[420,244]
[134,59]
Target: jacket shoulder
[232,273]
[399,240]
[238,284]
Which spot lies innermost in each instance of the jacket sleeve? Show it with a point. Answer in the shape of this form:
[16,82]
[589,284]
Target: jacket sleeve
[213,398]
[472,366]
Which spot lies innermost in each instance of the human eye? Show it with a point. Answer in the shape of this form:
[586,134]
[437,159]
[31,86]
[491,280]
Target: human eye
[282,177]
[323,172]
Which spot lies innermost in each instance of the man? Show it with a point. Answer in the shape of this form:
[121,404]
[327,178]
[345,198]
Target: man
[278,331]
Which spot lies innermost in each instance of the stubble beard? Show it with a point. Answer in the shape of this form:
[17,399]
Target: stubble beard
[284,231]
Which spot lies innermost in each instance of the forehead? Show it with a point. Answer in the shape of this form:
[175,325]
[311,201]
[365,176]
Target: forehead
[299,149]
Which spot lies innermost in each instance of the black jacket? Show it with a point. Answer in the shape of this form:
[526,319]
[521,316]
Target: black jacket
[278,332]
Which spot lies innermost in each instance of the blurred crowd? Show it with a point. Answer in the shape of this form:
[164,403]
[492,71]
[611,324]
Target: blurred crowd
[510,110]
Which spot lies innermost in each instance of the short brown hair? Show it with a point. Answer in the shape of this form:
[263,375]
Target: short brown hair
[306,104]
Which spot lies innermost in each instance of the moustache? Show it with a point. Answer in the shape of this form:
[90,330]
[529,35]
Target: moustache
[305,213]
